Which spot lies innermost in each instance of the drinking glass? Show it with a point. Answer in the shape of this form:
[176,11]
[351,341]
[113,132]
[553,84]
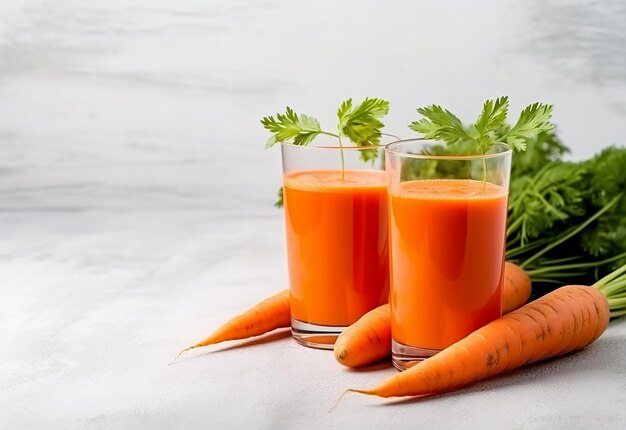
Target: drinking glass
[335,202]
[447,222]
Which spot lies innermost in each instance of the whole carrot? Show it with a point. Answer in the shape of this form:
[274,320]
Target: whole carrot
[369,339]
[517,287]
[565,320]
[270,314]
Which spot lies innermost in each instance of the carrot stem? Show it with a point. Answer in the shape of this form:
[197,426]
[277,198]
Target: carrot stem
[514,226]
[618,296]
[602,284]
[513,252]
[620,313]
[343,168]
[584,265]
[616,301]
[547,280]
[549,268]
[615,287]
[557,276]
[555,261]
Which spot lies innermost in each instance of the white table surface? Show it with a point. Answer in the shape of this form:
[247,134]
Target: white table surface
[136,199]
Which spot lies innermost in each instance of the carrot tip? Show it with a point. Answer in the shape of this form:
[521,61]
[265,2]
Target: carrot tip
[360,391]
[181,353]
[339,400]
[350,390]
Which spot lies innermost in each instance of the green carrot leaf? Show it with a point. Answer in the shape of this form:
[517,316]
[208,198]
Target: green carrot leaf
[491,121]
[440,124]
[493,115]
[533,120]
[279,203]
[361,123]
[342,113]
[543,149]
[490,127]
[301,128]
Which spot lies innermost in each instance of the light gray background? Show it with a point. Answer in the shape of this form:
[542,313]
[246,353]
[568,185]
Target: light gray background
[136,199]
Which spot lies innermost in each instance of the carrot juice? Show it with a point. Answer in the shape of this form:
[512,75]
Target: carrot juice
[337,244]
[447,254]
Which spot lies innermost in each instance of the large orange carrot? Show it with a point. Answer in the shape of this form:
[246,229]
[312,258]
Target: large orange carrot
[565,320]
[270,314]
[369,339]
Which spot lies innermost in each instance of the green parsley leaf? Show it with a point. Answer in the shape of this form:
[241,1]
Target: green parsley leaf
[279,203]
[493,116]
[533,120]
[301,128]
[440,124]
[491,120]
[362,124]
[342,113]
[490,127]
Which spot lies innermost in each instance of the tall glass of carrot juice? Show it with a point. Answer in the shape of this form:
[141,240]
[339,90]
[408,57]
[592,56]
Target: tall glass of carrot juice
[335,201]
[447,223]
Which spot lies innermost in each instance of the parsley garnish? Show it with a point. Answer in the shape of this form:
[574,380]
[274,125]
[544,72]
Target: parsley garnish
[302,129]
[490,127]
[361,124]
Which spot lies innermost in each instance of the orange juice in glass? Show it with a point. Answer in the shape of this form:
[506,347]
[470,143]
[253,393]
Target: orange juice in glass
[447,221]
[337,238]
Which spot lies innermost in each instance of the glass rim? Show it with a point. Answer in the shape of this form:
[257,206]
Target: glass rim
[390,151]
[351,147]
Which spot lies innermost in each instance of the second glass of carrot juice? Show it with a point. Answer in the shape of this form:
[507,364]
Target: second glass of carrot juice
[335,201]
[447,220]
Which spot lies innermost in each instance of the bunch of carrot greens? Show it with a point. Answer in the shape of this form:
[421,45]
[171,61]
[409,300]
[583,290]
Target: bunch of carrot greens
[567,220]
[566,224]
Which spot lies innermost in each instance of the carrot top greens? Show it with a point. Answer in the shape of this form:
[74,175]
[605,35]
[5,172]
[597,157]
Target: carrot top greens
[567,220]
[613,286]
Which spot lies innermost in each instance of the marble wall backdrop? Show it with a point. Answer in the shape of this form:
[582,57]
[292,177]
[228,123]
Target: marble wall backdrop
[156,104]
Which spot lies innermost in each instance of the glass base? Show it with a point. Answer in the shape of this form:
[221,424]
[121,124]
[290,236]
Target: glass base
[314,335]
[406,356]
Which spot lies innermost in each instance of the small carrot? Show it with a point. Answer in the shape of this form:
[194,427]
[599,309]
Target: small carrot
[565,320]
[369,339]
[517,287]
[270,314]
